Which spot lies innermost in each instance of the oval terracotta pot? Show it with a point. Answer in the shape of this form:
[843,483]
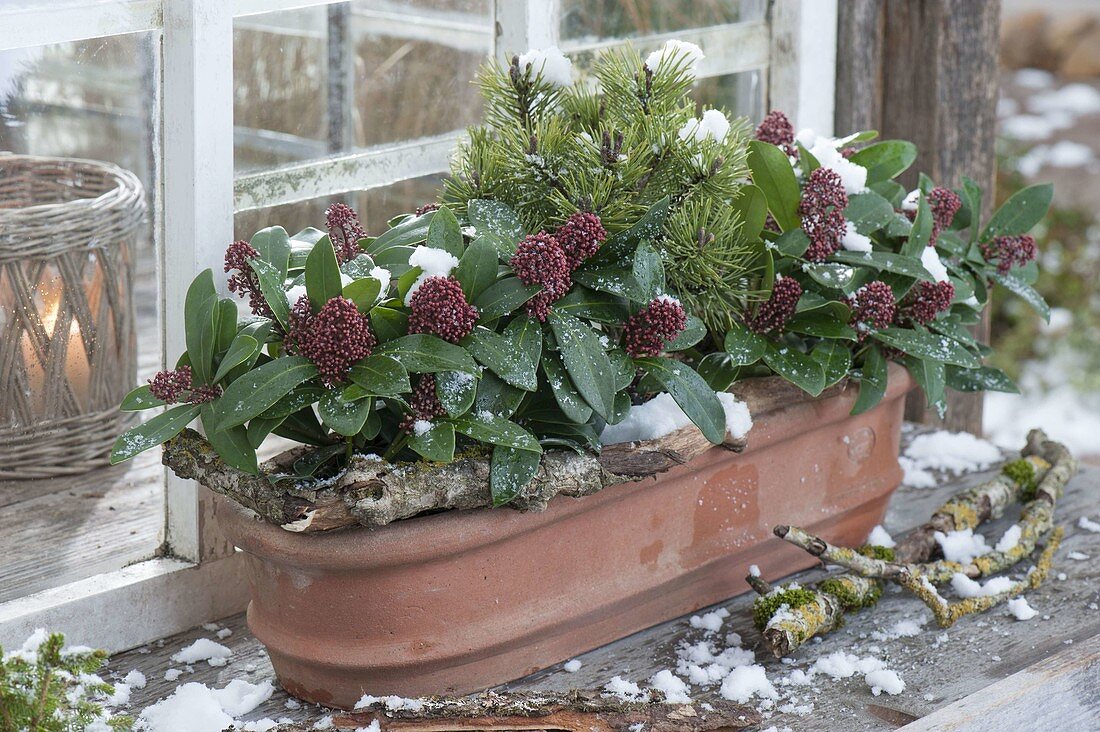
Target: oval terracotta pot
[459,601]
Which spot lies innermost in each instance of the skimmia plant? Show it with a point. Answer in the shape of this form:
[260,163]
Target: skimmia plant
[864,272]
[432,339]
[596,244]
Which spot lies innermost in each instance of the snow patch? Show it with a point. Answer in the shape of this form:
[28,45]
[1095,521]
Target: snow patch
[1088,524]
[676,50]
[661,416]
[204,649]
[573,666]
[827,152]
[1020,609]
[745,682]
[556,69]
[672,686]
[853,241]
[433,263]
[1009,539]
[966,587]
[713,126]
[196,707]
[961,546]
[952,452]
[930,259]
[880,537]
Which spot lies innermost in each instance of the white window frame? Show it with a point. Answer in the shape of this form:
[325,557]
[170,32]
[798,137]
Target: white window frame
[794,47]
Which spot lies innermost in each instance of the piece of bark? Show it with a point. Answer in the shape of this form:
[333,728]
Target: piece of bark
[372,492]
[788,630]
[575,711]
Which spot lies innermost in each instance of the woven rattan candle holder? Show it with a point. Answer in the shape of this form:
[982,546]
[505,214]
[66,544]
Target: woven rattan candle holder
[67,338]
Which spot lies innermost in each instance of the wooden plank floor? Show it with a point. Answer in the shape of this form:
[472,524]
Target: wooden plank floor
[942,669]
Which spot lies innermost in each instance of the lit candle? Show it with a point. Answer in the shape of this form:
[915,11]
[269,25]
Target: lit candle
[77,370]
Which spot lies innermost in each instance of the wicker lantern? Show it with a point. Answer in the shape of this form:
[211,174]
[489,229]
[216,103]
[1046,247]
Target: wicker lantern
[67,340]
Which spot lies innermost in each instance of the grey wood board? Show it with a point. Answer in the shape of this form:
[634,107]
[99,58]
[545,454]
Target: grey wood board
[948,665]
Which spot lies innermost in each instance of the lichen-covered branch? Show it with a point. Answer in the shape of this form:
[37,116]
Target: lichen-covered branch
[372,492]
[972,507]
[788,617]
[948,613]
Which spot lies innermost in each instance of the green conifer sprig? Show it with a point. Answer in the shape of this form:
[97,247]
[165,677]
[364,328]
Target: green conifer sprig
[709,263]
[611,144]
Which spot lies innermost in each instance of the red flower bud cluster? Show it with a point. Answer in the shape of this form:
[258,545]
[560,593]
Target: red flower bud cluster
[649,330]
[427,207]
[1010,251]
[822,211]
[944,203]
[540,260]
[175,387]
[439,307]
[424,403]
[580,236]
[925,301]
[344,231]
[778,130]
[333,339]
[774,314]
[244,280]
[873,307]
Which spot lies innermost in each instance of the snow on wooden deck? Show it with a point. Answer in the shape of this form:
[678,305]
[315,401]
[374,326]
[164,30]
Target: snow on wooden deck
[986,672]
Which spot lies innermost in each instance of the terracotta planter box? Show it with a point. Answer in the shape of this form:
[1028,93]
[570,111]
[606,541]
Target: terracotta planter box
[460,601]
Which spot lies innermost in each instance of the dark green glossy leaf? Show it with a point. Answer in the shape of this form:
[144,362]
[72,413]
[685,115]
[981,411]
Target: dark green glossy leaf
[886,262]
[486,427]
[743,346]
[240,350]
[388,323]
[885,159]
[984,378]
[231,443]
[496,397]
[930,377]
[494,217]
[363,292]
[587,304]
[586,361]
[872,380]
[437,443]
[694,332]
[773,175]
[271,287]
[342,416]
[1020,212]
[835,276]
[408,233]
[198,316]
[259,389]
[477,269]
[1026,292]
[649,272]
[510,472]
[423,353]
[752,204]
[444,233]
[691,393]
[322,274]
[923,344]
[140,398]
[796,367]
[455,391]
[568,398]
[273,244]
[718,370]
[502,297]
[868,211]
[792,243]
[156,431]
[835,359]
[821,323]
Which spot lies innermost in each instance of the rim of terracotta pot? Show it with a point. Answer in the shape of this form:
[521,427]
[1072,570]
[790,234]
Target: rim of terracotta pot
[349,548]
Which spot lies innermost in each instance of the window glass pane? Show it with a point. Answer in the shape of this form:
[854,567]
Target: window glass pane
[76,327]
[375,207]
[742,94]
[350,75]
[595,20]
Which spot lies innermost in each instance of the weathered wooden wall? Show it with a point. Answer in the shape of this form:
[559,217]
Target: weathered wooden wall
[926,71]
